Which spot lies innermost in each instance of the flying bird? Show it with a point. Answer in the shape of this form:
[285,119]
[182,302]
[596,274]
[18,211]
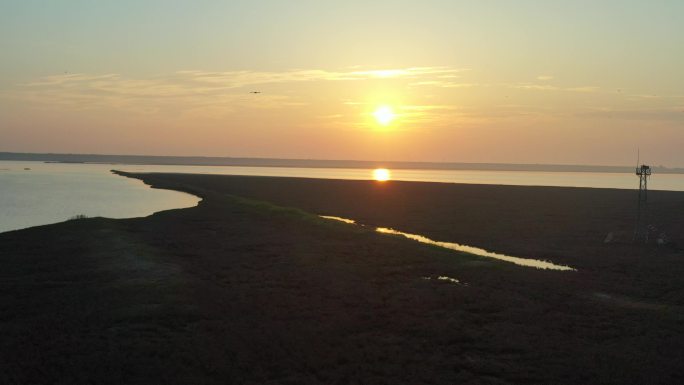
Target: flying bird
[255,92]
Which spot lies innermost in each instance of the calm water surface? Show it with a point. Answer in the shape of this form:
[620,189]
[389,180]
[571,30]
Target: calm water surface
[672,182]
[35,193]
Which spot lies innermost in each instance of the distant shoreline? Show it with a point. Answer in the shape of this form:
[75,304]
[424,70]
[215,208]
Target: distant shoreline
[314,163]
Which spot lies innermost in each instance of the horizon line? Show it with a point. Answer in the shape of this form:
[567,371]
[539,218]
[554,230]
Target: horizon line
[311,162]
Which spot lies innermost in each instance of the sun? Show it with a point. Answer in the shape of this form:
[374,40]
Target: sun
[384,115]
[381,174]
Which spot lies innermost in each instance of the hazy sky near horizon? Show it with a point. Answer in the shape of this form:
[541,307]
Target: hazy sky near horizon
[581,82]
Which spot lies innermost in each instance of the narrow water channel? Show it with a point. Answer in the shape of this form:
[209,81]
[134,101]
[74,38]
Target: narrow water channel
[527,262]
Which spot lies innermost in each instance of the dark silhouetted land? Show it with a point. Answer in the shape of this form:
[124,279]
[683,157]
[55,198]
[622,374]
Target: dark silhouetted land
[252,287]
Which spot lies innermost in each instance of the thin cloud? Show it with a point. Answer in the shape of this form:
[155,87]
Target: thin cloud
[423,108]
[442,84]
[582,89]
[659,114]
[198,88]
[235,79]
[547,87]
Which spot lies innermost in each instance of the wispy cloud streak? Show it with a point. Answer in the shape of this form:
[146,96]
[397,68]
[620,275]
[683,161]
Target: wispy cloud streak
[193,88]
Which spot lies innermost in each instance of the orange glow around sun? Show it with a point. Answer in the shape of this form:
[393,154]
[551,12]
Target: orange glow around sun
[384,115]
[381,174]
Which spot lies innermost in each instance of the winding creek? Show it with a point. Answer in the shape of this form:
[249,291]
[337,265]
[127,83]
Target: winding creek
[527,262]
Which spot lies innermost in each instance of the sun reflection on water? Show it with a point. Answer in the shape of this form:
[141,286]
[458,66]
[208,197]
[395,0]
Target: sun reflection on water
[382,174]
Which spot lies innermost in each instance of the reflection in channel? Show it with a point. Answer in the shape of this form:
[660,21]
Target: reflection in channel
[536,263]
[345,220]
[446,279]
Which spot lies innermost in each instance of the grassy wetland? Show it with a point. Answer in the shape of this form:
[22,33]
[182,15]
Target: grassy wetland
[253,286]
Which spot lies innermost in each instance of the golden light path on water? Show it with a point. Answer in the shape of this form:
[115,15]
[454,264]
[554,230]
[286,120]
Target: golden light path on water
[528,262]
[382,174]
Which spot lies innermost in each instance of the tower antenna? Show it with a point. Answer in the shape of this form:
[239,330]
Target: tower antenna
[641,228]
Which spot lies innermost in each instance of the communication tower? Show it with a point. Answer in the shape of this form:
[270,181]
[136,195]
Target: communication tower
[641,228]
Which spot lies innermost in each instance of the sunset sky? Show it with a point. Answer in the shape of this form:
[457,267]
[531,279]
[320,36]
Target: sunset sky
[569,82]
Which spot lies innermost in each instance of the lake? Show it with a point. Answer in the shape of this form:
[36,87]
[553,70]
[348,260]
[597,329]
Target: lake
[36,193]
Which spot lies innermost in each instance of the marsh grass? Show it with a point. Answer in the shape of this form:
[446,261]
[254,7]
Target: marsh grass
[238,290]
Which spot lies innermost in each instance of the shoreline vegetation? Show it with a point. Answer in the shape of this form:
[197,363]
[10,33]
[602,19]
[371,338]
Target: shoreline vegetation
[252,286]
[317,163]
